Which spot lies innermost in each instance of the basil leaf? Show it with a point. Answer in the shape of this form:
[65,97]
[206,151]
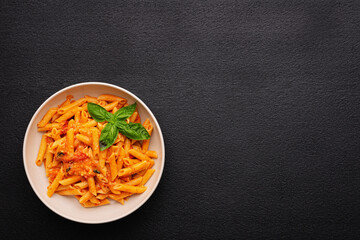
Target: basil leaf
[98,113]
[108,136]
[125,112]
[134,131]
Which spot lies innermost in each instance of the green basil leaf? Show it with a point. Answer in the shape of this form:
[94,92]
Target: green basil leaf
[98,113]
[108,136]
[134,131]
[124,112]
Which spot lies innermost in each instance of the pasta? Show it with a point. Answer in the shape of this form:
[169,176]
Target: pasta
[73,160]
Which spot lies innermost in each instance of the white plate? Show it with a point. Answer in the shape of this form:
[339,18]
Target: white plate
[68,206]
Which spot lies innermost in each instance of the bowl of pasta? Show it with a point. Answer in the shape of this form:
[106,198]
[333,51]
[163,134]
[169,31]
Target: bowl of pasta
[93,152]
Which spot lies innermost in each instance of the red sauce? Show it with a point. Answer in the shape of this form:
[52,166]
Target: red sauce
[64,128]
[81,168]
[49,140]
[79,163]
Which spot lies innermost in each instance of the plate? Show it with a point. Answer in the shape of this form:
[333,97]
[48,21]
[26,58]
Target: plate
[68,206]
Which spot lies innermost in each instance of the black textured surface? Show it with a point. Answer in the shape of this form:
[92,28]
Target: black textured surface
[258,103]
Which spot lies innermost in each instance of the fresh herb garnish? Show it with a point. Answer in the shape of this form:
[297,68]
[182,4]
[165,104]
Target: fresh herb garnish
[116,123]
[96,171]
[68,169]
[59,154]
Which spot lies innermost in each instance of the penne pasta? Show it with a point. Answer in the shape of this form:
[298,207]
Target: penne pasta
[113,167]
[47,117]
[49,126]
[85,197]
[55,183]
[151,154]
[69,114]
[81,185]
[133,169]
[91,123]
[70,192]
[70,180]
[85,139]
[134,182]
[84,116]
[131,189]
[91,99]
[74,164]
[147,176]
[110,106]
[139,155]
[90,204]
[70,141]
[42,150]
[95,142]
[71,106]
[48,161]
[112,98]
[92,187]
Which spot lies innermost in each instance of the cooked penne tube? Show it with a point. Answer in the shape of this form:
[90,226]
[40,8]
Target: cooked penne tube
[89,124]
[85,139]
[85,131]
[133,117]
[70,141]
[47,117]
[91,99]
[120,196]
[102,196]
[113,167]
[112,98]
[49,126]
[70,180]
[147,176]
[90,204]
[133,169]
[68,114]
[139,155]
[151,163]
[102,157]
[134,182]
[65,103]
[147,125]
[77,117]
[113,191]
[48,160]
[81,185]
[94,199]
[127,146]
[83,116]
[62,188]
[42,150]
[57,143]
[55,134]
[110,106]
[92,187]
[128,161]
[95,142]
[131,189]
[85,197]
[69,107]
[70,192]
[114,110]
[152,154]
[55,183]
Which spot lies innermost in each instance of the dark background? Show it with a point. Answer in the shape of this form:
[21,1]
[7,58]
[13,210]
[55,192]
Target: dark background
[258,103]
